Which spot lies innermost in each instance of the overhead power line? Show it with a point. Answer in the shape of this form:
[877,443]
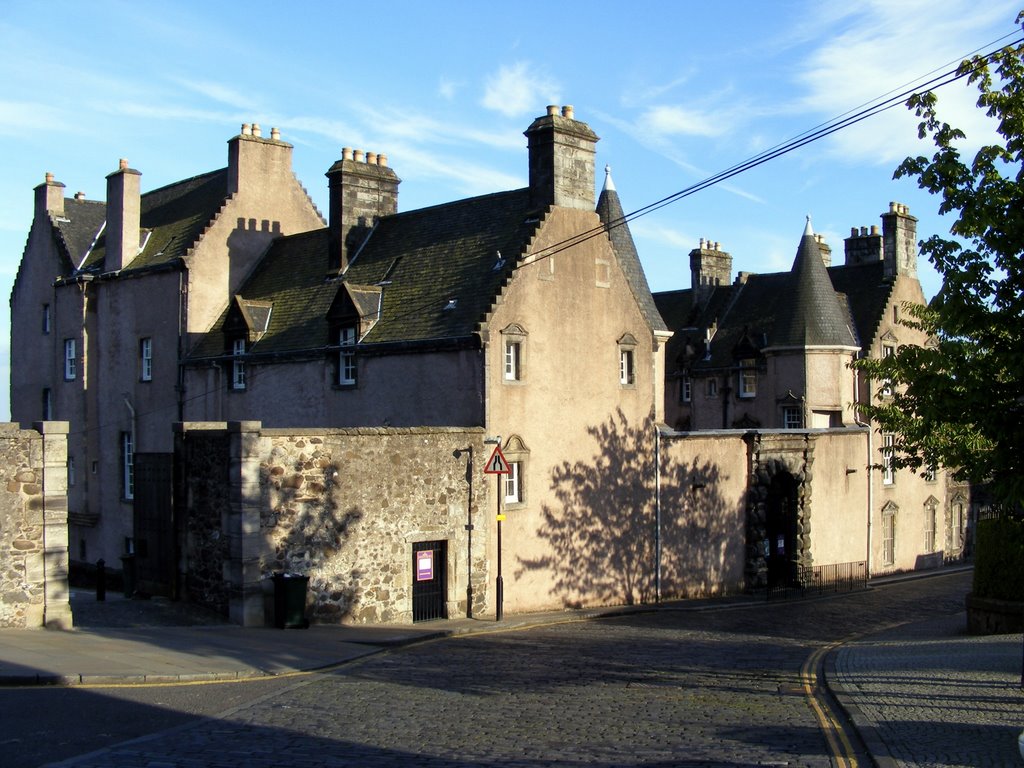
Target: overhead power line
[887,101]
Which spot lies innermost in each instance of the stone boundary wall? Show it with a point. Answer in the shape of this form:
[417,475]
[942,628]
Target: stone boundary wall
[340,506]
[34,558]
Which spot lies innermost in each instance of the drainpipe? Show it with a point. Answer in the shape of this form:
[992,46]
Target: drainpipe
[657,514]
[871,474]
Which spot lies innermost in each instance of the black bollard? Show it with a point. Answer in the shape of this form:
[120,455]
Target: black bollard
[101,580]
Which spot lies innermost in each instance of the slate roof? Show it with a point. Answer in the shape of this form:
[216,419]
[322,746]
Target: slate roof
[439,270]
[812,315]
[810,305]
[609,208]
[175,216]
[78,228]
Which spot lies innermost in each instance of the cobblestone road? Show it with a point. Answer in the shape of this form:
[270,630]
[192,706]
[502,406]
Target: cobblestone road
[679,688]
[938,702]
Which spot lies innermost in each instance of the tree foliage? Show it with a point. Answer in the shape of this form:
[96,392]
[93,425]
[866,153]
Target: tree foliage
[959,401]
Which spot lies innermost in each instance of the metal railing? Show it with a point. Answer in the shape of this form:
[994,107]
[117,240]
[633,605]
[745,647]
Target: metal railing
[821,580]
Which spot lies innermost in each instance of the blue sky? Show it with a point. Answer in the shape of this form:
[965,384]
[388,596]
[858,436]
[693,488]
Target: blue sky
[677,91]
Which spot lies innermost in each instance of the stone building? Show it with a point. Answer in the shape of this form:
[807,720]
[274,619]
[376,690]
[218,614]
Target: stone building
[525,313]
[108,298]
[772,353]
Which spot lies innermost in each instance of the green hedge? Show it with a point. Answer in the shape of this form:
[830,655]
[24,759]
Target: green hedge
[999,559]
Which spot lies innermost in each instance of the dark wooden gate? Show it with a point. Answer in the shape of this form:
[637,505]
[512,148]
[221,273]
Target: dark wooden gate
[429,580]
[154,561]
[781,527]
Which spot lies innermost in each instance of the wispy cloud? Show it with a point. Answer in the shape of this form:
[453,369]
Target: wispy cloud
[876,51]
[219,93]
[516,89]
[667,121]
[447,89]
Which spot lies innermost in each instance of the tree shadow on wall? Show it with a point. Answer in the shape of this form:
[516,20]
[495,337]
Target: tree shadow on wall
[307,532]
[601,534]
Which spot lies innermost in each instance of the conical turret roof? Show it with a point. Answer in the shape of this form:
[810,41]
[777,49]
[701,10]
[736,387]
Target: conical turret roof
[813,314]
[609,208]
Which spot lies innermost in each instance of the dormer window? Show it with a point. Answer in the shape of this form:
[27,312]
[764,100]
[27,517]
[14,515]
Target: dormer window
[238,364]
[748,377]
[347,356]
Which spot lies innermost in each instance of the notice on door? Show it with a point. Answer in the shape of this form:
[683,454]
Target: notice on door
[424,565]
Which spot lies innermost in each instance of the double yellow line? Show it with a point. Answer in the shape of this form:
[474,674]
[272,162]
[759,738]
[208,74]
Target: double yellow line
[835,732]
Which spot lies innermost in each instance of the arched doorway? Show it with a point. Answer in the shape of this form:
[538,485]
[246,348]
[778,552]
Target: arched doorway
[781,527]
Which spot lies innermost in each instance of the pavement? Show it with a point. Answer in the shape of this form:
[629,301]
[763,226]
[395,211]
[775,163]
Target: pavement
[894,686]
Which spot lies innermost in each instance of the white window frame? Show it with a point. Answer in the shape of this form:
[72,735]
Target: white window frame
[930,513]
[347,356]
[788,414]
[627,367]
[70,360]
[748,378]
[889,534]
[146,358]
[513,482]
[888,471]
[513,360]
[888,350]
[127,466]
[685,390]
[238,364]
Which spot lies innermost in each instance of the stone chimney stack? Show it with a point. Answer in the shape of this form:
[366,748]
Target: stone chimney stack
[710,266]
[863,245]
[49,197]
[252,159]
[561,160]
[362,190]
[899,246]
[124,210]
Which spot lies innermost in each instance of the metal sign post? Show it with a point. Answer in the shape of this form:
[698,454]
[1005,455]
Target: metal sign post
[497,466]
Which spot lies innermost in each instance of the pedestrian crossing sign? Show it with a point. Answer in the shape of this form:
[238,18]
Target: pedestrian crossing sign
[496,465]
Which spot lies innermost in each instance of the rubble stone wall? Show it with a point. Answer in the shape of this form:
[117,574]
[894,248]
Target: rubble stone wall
[34,588]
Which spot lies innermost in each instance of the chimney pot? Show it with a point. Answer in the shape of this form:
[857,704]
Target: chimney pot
[371,158]
[246,129]
[892,207]
[382,160]
[346,153]
[358,155]
[718,246]
[568,111]
[49,178]
[552,109]
[702,243]
[122,164]
[256,131]
[79,195]
[863,231]
[874,229]
[853,231]
[275,134]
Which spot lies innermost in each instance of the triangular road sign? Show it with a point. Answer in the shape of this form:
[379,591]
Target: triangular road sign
[496,465]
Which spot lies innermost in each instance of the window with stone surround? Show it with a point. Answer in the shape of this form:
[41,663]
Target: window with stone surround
[347,356]
[888,448]
[517,455]
[238,364]
[146,359]
[930,509]
[70,360]
[748,377]
[889,533]
[513,353]
[627,363]
[127,466]
[792,417]
[685,389]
